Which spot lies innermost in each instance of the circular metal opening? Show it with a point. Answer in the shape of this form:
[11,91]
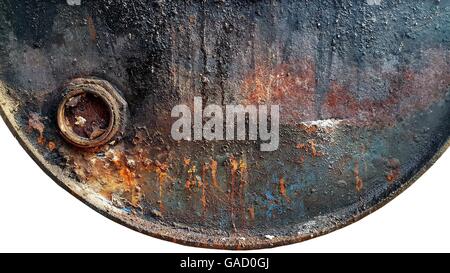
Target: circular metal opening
[89,115]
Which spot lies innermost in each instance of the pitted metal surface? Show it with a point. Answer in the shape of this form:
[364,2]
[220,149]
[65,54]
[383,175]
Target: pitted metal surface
[363,89]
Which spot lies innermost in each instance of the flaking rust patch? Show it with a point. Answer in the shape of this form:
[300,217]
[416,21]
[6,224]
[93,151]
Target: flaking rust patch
[35,123]
[109,172]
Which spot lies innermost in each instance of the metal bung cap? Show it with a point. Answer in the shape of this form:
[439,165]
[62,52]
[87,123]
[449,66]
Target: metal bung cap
[91,113]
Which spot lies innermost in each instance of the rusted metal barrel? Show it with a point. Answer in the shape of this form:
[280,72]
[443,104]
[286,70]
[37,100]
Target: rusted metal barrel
[362,87]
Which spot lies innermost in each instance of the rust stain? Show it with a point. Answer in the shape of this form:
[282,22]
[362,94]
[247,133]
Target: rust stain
[120,182]
[126,175]
[234,164]
[91,28]
[191,178]
[186,161]
[243,172]
[291,85]
[213,167]
[310,130]
[282,188]
[35,123]
[309,147]
[301,160]
[251,213]
[204,186]
[410,91]
[51,146]
[312,145]
[391,176]
[339,103]
[358,181]
[233,168]
[238,184]
[115,175]
[161,171]
[393,172]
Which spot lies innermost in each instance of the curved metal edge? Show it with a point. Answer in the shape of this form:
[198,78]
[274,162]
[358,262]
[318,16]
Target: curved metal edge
[192,239]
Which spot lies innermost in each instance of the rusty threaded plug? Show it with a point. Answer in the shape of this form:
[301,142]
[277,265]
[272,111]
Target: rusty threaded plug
[92,112]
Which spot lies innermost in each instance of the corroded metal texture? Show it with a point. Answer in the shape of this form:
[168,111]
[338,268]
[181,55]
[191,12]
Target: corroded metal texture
[363,88]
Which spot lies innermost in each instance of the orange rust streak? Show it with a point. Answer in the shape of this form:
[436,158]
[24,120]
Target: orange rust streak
[243,182]
[213,166]
[161,171]
[91,28]
[358,180]
[234,167]
[282,185]
[205,168]
[251,213]
[127,176]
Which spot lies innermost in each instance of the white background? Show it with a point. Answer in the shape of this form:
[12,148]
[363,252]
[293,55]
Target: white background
[39,216]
